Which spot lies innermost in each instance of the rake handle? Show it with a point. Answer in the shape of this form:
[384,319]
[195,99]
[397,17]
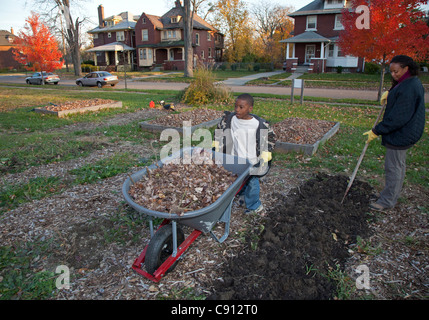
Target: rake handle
[361,157]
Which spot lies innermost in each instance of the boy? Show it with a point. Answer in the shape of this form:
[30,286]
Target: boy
[247,136]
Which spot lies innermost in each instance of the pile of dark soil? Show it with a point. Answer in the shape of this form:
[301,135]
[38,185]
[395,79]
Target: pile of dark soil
[306,234]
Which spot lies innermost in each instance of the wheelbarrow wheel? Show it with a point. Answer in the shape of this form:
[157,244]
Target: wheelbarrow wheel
[161,247]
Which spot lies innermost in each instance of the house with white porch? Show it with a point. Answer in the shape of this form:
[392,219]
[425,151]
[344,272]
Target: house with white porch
[313,47]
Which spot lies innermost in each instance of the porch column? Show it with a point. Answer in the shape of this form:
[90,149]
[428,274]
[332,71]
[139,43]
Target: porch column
[293,50]
[287,50]
[107,58]
[322,50]
[95,58]
[116,58]
[183,54]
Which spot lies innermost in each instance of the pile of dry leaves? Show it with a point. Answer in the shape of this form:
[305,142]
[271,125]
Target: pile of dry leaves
[196,116]
[301,131]
[76,104]
[201,182]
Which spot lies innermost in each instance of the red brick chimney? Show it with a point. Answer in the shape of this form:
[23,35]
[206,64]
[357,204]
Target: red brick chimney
[101,16]
[178,4]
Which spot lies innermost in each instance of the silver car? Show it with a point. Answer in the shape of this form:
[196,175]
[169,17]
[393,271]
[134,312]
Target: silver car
[48,77]
[98,78]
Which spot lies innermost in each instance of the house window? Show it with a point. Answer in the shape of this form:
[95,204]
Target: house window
[171,54]
[338,24]
[145,35]
[331,50]
[145,54]
[202,54]
[120,36]
[144,21]
[210,52]
[109,35]
[197,39]
[340,53]
[311,22]
[95,36]
[209,38]
[335,1]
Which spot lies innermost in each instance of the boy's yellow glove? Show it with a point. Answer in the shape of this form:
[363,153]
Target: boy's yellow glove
[383,98]
[215,145]
[371,136]
[266,156]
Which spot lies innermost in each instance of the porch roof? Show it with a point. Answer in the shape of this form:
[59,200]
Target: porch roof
[114,46]
[164,44]
[307,36]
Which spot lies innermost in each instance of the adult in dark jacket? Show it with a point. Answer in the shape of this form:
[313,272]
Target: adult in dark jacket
[402,126]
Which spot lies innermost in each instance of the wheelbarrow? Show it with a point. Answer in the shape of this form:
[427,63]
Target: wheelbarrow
[168,243]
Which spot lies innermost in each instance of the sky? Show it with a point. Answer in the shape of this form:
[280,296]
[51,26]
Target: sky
[14,12]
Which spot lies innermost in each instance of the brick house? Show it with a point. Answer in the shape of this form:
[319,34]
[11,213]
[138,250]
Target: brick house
[6,46]
[152,41]
[313,48]
[114,39]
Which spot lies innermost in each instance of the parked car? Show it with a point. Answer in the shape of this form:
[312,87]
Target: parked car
[48,77]
[98,78]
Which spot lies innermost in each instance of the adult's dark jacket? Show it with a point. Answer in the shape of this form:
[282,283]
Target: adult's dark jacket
[404,118]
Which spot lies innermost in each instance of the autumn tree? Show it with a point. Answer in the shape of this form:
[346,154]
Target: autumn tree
[232,17]
[36,48]
[380,29]
[272,24]
[72,27]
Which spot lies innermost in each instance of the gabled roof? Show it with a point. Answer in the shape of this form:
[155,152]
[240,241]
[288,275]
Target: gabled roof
[198,22]
[4,38]
[124,25]
[163,22]
[315,7]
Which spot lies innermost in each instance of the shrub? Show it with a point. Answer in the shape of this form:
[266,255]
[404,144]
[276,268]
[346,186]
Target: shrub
[371,68]
[203,89]
[88,67]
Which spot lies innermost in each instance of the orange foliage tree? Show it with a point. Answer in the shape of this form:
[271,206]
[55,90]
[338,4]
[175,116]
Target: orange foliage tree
[36,48]
[382,29]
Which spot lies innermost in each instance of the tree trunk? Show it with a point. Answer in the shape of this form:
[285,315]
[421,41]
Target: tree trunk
[383,67]
[72,36]
[189,52]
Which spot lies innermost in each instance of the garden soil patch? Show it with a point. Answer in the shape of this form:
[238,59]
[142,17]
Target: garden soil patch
[306,235]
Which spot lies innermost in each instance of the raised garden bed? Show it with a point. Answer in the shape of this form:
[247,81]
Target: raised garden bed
[303,135]
[200,118]
[78,106]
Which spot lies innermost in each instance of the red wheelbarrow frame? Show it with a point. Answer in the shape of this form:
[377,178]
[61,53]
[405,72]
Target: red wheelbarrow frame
[162,269]
[160,272]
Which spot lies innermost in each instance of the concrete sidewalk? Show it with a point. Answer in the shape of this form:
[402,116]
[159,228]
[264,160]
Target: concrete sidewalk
[243,80]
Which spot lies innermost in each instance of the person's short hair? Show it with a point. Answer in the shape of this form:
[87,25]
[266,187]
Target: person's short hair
[246,97]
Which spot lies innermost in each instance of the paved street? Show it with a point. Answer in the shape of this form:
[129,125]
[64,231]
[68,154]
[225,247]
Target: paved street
[235,84]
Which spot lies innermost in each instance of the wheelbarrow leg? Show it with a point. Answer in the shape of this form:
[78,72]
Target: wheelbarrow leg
[226,218]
